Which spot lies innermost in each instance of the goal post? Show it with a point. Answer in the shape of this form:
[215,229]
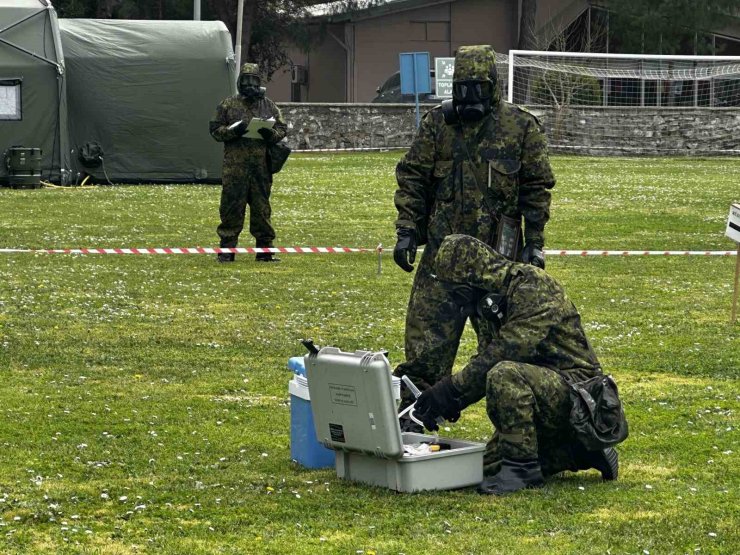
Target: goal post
[629,103]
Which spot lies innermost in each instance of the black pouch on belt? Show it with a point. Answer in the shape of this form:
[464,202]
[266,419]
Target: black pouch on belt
[507,236]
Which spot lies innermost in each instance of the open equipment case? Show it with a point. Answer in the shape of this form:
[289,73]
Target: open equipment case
[356,415]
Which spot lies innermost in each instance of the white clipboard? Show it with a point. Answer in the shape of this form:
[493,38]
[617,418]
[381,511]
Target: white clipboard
[256,124]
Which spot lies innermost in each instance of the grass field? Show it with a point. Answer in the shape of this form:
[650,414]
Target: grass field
[144,398]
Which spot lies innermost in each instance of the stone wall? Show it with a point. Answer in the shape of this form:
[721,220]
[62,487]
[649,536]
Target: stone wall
[315,126]
[595,131]
[644,131]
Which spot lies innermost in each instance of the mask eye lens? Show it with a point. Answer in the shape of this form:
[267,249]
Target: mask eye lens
[473,91]
[461,90]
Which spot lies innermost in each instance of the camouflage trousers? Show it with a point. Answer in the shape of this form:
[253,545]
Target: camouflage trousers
[529,406]
[434,326]
[238,192]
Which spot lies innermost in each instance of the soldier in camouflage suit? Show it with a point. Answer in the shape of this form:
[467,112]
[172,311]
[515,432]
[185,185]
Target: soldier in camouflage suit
[489,145]
[246,177]
[529,338]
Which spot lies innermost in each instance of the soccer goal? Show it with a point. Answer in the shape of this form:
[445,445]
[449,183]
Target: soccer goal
[629,104]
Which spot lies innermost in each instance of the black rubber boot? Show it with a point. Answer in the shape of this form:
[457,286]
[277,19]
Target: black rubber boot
[266,257]
[513,476]
[605,461]
[226,257]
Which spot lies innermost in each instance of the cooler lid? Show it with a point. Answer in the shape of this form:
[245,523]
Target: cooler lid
[352,402]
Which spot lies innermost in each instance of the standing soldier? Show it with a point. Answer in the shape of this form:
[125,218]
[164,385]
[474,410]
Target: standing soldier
[477,166]
[246,175]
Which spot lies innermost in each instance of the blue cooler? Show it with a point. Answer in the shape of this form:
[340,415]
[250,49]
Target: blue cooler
[305,449]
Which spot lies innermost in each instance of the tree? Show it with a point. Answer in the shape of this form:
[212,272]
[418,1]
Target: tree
[667,26]
[563,89]
[527,41]
[269,28]
[125,9]
[527,36]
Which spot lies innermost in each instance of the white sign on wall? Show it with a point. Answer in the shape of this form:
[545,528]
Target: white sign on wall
[733,223]
[443,70]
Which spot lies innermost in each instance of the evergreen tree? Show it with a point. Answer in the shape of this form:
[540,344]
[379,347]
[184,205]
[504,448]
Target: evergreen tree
[667,26]
[269,26]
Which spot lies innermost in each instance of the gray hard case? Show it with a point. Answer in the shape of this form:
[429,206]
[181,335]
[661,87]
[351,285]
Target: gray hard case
[355,414]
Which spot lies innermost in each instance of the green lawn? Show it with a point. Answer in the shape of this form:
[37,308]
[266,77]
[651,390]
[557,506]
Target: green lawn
[144,398]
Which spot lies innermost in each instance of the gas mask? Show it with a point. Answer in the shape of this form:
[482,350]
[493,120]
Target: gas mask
[249,86]
[472,98]
[464,296]
[490,306]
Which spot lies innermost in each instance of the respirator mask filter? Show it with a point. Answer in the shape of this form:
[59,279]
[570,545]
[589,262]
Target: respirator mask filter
[492,308]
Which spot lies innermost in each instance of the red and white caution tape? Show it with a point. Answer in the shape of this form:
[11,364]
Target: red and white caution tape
[638,253]
[336,250]
[199,250]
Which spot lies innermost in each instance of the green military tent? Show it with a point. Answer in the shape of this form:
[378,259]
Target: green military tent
[144,91]
[123,100]
[33,110]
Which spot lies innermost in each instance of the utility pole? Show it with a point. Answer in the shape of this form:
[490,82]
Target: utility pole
[196,10]
[238,41]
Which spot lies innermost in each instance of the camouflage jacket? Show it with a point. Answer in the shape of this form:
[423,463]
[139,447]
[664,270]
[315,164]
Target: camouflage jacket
[541,324]
[237,108]
[506,152]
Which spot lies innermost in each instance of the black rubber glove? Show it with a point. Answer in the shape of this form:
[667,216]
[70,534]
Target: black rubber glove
[442,399]
[268,134]
[240,128]
[533,255]
[404,252]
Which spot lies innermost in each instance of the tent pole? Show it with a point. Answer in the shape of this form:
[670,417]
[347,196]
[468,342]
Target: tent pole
[9,27]
[238,41]
[196,10]
[32,54]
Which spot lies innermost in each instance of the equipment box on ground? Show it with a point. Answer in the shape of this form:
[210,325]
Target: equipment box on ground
[356,415]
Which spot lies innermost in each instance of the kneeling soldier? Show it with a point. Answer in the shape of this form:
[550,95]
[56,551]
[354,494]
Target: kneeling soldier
[530,339]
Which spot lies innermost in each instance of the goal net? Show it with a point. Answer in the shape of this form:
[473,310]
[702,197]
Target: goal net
[629,104]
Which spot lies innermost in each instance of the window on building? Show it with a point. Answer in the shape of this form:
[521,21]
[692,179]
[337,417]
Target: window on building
[429,31]
[10,99]
[438,31]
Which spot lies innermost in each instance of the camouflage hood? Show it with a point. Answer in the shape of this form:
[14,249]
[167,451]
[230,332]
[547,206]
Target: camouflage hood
[249,68]
[465,259]
[478,63]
